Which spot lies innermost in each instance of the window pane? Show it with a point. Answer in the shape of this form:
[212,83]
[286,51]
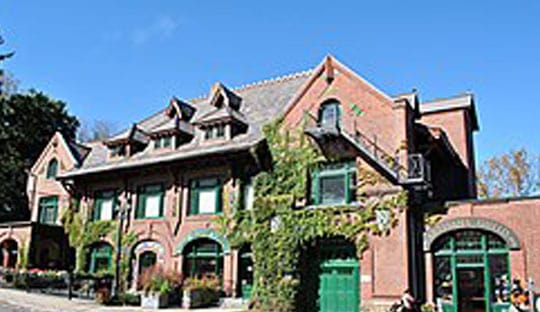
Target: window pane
[153,204]
[167,141]
[207,201]
[443,278]
[500,280]
[332,189]
[469,239]
[329,115]
[107,206]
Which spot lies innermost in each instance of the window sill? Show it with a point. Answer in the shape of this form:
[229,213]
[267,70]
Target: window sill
[322,206]
[202,216]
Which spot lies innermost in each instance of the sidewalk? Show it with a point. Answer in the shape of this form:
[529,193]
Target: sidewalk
[19,300]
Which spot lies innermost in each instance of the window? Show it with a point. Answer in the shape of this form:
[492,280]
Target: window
[163,142]
[329,115]
[147,260]
[203,257]
[205,196]
[52,169]
[247,194]
[105,205]
[215,132]
[100,258]
[48,210]
[150,202]
[118,150]
[334,184]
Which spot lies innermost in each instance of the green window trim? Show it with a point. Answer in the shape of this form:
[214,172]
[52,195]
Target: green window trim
[346,171]
[145,192]
[98,253]
[48,210]
[101,198]
[198,250]
[463,250]
[199,186]
[52,169]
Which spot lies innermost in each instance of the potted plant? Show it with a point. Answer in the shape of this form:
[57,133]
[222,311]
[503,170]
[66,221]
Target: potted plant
[201,292]
[156,285]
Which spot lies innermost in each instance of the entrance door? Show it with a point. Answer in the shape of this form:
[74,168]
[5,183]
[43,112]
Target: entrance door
[471,290]
[338,286]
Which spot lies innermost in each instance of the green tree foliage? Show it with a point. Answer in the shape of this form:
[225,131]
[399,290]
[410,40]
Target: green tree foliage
[515,173]
[27,123]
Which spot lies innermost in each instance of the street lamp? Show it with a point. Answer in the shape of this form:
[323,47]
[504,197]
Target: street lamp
[122,212]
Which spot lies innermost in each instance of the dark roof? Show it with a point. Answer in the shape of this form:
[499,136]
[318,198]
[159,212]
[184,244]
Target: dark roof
[261,103]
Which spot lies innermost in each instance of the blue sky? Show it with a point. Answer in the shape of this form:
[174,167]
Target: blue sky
[122,60]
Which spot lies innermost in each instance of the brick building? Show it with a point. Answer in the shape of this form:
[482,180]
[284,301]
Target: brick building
[173,172]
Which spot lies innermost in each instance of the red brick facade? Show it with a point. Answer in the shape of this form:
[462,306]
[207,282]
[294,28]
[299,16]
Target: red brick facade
[440,131]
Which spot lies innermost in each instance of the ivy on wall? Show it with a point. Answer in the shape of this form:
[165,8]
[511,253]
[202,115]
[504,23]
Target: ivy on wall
[277,230]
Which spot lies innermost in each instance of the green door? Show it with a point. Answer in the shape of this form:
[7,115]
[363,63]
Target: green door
[338,285]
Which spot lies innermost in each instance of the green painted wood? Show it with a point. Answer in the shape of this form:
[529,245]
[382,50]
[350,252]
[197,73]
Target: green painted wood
[339,285]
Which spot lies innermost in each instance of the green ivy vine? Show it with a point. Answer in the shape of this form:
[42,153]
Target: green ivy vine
[280,224]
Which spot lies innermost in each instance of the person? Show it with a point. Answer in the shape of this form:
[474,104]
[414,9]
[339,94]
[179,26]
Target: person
[407,300]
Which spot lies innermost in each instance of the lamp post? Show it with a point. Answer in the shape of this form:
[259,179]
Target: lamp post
[121,212]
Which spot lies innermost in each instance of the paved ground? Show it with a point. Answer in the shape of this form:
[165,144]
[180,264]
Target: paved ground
[12,300]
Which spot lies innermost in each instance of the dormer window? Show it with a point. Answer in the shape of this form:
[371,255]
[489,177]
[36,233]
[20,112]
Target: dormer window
[118,150]
[52,169]
[163,142]
[214,132]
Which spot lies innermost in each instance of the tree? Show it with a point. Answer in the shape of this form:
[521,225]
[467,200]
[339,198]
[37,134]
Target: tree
[27,123]
[7,83]
[515,173]
[97,130]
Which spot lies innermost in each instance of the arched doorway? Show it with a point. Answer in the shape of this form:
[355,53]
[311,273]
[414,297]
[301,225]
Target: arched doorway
[245,271]
[203,257]
[470,269]
[9,253]
[330,277]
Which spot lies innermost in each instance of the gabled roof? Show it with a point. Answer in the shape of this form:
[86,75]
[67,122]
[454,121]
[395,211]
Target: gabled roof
[221,96]
[180,109]
[135,133]
[223,114]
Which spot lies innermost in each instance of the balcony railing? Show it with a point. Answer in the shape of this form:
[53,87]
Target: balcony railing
[416,172]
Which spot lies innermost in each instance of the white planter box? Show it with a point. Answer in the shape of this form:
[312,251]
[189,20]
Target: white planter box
[154,301]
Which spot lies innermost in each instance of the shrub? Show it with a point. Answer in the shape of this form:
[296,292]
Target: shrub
[158,280]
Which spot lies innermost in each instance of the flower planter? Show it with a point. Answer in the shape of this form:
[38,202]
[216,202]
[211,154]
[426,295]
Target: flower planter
[154,301]
[199,298]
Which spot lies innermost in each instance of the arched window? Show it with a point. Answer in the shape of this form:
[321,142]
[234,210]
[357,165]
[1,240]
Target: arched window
[329,114]
[52,169]
[147,259]
[203,257]
[100,258]
[471,269]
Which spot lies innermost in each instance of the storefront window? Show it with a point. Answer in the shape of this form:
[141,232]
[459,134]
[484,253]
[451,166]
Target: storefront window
[471,270]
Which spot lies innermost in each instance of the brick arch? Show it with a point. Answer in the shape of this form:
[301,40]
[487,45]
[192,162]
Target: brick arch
[150,245]
[203,233]
[456,224]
